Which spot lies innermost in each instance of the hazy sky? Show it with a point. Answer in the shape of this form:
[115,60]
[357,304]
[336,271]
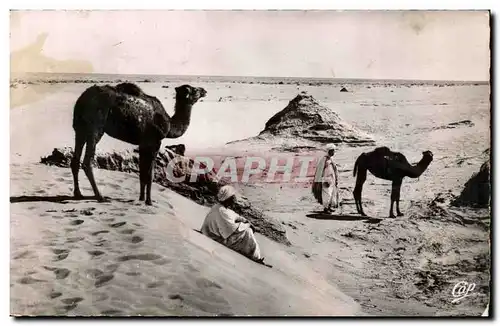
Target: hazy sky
[378,44]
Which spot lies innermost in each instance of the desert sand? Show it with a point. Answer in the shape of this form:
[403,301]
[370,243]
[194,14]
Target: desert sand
[87,258]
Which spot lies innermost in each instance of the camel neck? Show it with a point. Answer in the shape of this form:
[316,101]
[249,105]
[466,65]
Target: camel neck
[180,120]
[420,167]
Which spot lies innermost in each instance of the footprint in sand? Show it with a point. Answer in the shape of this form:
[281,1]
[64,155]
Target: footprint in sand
[99,232]
[99,276]
[74,239]
[133,273]
[76,222]
[64,309]
[191,268]
[101,243]
[54,294]
[24,254]
[156,284]
[71,301]
[117,225]
[136,239]
[146,257]
[146,211]
[96,253]
[61,254]
[111,219]
[29,280]
[176,297]
[112,267]
[69,304]
[111,312]
[100,297]
[94,273]
[103,279]
[61,273]
[161,261]
[206,283]
[127,231]
[87,212]
[52,243]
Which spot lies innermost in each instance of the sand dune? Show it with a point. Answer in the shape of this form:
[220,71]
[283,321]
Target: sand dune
[123,258]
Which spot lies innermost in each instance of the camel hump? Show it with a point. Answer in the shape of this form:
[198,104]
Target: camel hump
[129,88]
[385,151]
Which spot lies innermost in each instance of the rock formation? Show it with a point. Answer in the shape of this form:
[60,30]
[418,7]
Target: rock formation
[304,118]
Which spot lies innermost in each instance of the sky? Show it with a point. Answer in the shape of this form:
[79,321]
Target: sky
[428,45]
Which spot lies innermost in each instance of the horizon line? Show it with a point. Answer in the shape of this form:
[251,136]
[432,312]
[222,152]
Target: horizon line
[250,76]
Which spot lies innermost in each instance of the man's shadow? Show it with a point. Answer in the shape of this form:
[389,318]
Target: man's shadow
[61,199]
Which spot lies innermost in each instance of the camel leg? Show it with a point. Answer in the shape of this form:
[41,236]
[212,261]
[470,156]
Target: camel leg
[143,164]
[147,155]
[358,190]
[75,163]
[87,166]
[398,194]
[150,173]
[396,186]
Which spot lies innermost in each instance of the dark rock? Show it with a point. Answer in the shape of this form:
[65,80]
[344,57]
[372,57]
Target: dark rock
[452,125]
[344,89]
[179,149]
[477,191]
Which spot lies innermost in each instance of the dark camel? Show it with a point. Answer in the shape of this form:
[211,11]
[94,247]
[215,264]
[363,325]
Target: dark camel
[126,113]
[387,165]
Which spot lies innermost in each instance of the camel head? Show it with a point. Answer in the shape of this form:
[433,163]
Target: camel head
[189,94]
[427,156]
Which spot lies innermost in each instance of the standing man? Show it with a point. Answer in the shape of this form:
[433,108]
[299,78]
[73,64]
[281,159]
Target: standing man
[325,184]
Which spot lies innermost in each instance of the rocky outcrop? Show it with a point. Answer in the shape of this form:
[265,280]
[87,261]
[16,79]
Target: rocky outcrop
[203,190]
[477,191]
[305,118]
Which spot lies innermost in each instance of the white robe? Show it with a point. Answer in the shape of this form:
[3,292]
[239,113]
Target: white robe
[226,226]
[327,174]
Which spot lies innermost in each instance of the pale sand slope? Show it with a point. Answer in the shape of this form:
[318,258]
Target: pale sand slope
[87,258]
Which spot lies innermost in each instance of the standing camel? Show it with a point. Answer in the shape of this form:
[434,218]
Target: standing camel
[387,165]
[126,113]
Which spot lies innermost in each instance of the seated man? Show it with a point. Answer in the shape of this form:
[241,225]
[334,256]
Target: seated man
[225,226]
